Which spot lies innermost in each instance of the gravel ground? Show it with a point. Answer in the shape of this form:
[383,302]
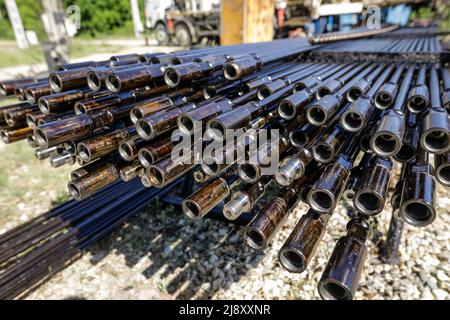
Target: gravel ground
[161,255]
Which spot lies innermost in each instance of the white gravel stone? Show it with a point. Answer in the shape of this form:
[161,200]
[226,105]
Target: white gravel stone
[427,295]
[440,294]
[441,276]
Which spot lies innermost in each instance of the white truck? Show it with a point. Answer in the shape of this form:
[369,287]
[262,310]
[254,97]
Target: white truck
[183,22]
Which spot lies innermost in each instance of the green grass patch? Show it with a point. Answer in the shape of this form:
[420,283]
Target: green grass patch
[26,182]
[61,197]
[3,178]
[125,32]
[7,101]
[82,48]
[10,55]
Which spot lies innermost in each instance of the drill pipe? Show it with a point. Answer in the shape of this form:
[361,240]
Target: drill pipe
[132,171]
[10,136]
[151,106]
[76,127]
[419,96]
[373,186]
[293,167]
[354,179]
[155,151]
[63,101]
[242,116]
[251,171]
[354,34]
[326,192]
[442,168]
[129,149]
[261,229]
[89,183]
[16,117]
[445,75]
[167,170]
[340,278]
[385,96]
[202,201]
[435,137]
[306,91]
[363,85]
[356,117]
[319,112]
[303,78]
[301,245]
[387,140]
[7,88]
[244,200]
[60,81]
[417,206]
[34,91]
[92,149]
[410,139]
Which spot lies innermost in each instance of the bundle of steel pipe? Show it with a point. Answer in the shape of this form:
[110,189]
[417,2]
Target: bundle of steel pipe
[243,117]
[354,34]
[405,45]
[39,248]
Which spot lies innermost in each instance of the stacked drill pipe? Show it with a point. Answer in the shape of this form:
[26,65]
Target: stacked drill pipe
[354,34]
[336,128]
[41,247]
[406,44]
[325,166]
[79,123]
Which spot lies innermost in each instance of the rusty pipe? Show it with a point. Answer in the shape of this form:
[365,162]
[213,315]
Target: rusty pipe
[340,279]
[210,195]
[301,245]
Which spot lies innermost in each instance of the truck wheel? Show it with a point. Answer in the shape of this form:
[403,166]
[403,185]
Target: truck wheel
[183,35]
[161,34]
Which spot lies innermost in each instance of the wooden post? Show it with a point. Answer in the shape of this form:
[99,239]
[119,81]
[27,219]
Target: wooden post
[245,21]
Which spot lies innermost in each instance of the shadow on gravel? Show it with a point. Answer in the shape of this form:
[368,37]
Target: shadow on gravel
[74,298]
[188,260]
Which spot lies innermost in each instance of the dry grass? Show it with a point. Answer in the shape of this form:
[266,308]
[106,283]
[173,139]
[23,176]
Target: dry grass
[27,186]
[10,55]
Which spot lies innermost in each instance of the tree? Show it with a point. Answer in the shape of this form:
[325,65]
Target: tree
[103,16]
[97,17]
[30,13]
[6,31]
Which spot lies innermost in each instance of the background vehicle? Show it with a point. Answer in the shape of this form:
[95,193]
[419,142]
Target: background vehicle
[183,22]
[293,17]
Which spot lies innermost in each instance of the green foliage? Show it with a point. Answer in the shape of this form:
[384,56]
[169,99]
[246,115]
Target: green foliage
[61,197]
[444,11]
[105,17]
[424,13]
[6,31]
[440,15]
[30,13]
